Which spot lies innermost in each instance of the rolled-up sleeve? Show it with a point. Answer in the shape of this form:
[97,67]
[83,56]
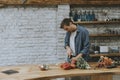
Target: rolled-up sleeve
[66,41]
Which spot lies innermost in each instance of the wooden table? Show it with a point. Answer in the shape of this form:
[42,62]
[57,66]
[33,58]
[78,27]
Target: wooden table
[32,72]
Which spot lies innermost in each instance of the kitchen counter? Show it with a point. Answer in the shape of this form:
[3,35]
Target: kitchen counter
[33,72]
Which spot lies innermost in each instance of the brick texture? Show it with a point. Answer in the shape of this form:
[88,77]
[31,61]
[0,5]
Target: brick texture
[28,35]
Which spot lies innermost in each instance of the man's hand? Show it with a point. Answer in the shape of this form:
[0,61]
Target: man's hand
[69,51]
[78,56]
[74,58]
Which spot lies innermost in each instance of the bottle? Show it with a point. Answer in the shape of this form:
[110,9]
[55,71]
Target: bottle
[88,16]
[75,18]
[84,16]
[93,16]
[79,16]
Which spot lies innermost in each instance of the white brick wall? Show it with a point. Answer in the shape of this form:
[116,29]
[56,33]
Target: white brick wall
[28,35]
[63,11]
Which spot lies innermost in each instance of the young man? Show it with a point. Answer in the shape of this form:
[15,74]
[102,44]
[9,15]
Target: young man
[76,43]
[76,40]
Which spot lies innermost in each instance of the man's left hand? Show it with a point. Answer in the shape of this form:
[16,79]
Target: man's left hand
[78,56]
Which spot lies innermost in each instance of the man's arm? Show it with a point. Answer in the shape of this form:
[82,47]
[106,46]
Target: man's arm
[69,51]
[66,40]
[86,43]
[67,47]
[78,56]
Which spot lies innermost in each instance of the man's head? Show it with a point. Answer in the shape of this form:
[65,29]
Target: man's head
[68,25]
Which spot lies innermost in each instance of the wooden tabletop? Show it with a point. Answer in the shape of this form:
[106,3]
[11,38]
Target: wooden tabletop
[31,72]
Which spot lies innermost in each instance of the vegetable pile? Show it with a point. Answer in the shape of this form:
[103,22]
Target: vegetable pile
[82,64]
[79,63]
[104,62]
[67,66]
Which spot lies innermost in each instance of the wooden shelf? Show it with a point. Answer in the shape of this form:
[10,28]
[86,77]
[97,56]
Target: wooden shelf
[105,54]
[104,35]
[97,22]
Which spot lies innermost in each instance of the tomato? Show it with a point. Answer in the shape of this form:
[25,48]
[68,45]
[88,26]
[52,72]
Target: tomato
[66,66]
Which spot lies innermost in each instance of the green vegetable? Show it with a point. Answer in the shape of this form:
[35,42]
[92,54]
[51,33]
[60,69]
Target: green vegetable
[82,64]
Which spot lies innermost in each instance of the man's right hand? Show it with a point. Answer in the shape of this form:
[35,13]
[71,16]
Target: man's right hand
[69,51]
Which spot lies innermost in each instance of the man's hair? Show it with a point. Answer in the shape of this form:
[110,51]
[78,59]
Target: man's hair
[66,21]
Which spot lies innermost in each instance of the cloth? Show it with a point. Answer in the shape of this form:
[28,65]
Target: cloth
[82,43]
[72,42]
